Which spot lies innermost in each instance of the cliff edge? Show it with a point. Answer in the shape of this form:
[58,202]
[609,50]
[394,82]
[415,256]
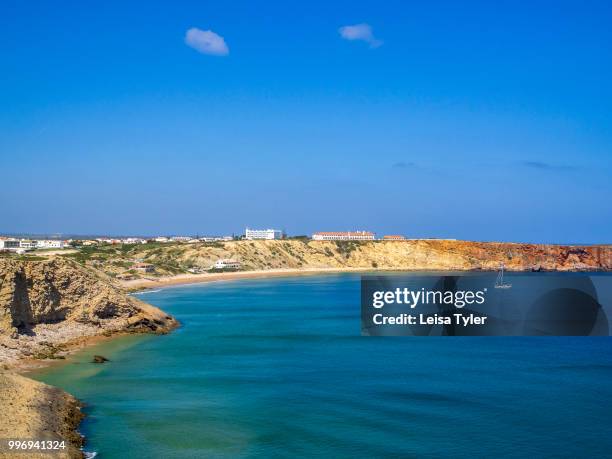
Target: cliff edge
[47,305]
[415,254]
[46,308]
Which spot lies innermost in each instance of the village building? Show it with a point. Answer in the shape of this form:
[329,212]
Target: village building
[343,236]
[50,244]
[226,264]
[143,267]
[393,237]
[27,244]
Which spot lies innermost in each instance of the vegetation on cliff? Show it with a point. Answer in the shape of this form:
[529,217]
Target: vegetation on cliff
[175,258]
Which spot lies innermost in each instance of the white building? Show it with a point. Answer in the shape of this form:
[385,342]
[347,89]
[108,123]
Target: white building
[181,238]
[226,263]
[50,244]
[27,244]
[144,267]
[9,244]
[263,234]
[134,240]
[343,236]
[215,238]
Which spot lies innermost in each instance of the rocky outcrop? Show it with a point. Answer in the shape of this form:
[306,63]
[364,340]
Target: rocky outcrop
[57,290]
[47,304]
[46,308]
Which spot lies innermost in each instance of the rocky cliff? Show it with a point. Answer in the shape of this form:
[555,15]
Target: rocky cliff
[46,307]
[410,254]
[45,304]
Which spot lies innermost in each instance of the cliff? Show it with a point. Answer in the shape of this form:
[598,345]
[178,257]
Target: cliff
[401,255]
[45,305]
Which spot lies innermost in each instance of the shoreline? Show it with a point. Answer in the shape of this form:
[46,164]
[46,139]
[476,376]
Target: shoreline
[140,285]
[49,405]
[52,309]
[26,366]
[144,284]
[49,412]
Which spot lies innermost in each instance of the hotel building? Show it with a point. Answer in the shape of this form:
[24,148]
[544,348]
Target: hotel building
[9,244]
[343,236]
[263,234]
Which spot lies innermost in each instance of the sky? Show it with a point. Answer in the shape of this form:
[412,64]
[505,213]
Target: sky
[469,120]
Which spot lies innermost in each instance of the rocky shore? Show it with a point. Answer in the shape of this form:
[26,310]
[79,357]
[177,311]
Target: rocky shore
[47,309]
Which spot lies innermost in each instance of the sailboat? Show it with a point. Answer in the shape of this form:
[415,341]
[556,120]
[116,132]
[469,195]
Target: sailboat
[499,282]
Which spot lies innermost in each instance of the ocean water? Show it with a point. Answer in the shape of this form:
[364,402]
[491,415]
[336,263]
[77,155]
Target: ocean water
[277,368]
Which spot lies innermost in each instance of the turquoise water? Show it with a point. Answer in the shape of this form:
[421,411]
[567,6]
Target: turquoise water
[277,368]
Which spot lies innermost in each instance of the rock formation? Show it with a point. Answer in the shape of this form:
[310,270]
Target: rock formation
[45,304]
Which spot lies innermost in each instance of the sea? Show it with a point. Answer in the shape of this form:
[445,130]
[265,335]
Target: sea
[278,368]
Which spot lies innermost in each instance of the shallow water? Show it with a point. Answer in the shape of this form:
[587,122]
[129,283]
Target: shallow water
[278,368]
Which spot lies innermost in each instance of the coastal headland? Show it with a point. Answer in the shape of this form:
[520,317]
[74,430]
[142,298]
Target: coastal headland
[48,308]
[53,303]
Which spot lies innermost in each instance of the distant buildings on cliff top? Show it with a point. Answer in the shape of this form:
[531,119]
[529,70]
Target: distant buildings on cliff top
[271,234]
[24,245]
[251,234]
[343,236]
[21,245]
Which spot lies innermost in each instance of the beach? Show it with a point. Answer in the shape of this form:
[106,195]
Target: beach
[181,279]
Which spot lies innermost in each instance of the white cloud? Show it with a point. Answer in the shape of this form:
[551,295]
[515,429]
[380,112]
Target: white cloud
[206,42]
[360,32]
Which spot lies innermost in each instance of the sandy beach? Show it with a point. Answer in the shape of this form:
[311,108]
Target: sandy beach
[180,279]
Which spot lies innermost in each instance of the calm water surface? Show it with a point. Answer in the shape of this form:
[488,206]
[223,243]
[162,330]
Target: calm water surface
[277,368]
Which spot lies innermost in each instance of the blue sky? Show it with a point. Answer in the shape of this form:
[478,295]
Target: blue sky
[474,120]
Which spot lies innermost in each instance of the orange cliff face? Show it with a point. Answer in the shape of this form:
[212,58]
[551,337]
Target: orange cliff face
[521,257]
